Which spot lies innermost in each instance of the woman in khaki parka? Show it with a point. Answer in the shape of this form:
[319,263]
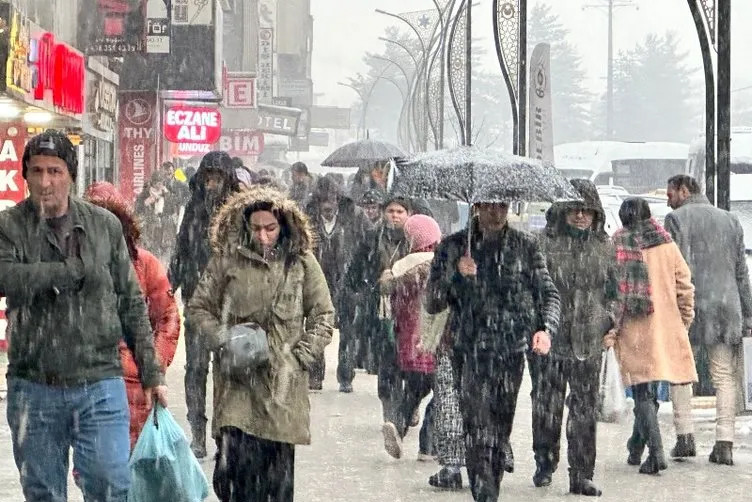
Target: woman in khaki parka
[262,270]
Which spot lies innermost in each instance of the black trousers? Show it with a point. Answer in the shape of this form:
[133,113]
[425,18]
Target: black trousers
[550,376]
[317,372]
[401,392]
[197,358]
[347,353]
[250,469]
[488,398]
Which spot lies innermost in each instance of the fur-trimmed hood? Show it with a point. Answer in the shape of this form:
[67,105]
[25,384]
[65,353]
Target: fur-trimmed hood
[228,229]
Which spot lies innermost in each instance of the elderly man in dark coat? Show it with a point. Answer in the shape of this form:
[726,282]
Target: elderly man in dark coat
[712,242]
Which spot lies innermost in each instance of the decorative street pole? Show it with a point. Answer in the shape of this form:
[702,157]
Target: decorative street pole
[458,69]
[510,35]
[724,104]
[712,20]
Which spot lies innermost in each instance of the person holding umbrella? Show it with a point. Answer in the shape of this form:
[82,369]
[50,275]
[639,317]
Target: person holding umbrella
[495,281]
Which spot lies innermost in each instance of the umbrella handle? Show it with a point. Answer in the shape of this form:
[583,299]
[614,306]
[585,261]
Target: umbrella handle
[469,236]
[156,419]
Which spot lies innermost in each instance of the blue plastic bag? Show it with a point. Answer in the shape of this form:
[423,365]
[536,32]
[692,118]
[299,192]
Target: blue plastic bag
[163,467]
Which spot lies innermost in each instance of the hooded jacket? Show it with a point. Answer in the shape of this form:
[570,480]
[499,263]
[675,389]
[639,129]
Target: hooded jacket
[335,249]
[192,249]
[163,310]
[497,312]
[582,265]
[286,295]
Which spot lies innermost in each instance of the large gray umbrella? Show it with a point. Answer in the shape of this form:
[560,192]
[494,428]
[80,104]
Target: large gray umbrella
[473,175]
[363,152]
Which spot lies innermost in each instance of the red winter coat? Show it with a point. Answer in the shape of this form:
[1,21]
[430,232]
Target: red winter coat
[165,323]
[163,310]
[409,284]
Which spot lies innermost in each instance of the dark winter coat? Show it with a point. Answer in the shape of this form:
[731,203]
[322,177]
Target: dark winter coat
[334,250]
[712,242]
[358,302]
[287,296]
[67,316]
[512,297]
[582,265]
[192,249]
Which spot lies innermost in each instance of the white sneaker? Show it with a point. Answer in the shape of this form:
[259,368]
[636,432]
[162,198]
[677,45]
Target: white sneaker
[392,440]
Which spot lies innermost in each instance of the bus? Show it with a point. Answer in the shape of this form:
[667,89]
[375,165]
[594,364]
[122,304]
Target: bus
[741,154]
[638,167]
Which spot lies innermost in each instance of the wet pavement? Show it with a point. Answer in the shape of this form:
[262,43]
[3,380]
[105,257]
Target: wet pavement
[347,462]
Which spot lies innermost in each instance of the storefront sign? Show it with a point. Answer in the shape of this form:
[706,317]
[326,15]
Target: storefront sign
[192,124]
[299,91]
[113,28]
[59,70]
[102,103]
[241,143]
[240,91]
[265,81]
[235,142]
[138,140]
[12,187]
[157,27]
[18,72]
[192,12]
[330,117]
[266,118]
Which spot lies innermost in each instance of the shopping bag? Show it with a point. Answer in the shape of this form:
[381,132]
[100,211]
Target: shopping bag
[162,464]
[613,400]
[747,365]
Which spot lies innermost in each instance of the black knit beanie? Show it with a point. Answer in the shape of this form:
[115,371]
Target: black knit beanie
[55,144]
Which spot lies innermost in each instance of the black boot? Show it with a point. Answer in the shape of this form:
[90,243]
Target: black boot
[685,446]
[723,453]
[543,474]
[198,444]
[580,484]
[636,447]
[508,458]
[446,479]
[646,417]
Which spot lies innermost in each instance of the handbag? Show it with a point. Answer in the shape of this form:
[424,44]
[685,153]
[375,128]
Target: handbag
[247,346]
[246,350]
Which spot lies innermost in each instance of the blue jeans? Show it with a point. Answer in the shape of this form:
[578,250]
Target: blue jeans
[47,421]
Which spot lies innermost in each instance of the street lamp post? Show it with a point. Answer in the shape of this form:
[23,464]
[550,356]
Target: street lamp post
[363,104]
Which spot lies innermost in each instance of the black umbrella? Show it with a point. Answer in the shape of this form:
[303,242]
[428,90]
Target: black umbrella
[474,175]
[363,152]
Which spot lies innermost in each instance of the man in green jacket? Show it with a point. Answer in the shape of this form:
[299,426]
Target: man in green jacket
[72,295]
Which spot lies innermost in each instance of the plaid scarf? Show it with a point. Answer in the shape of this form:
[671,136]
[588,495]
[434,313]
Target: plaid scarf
[635,291]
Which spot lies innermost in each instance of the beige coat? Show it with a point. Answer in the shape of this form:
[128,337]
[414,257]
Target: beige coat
[656,347]
[295,309]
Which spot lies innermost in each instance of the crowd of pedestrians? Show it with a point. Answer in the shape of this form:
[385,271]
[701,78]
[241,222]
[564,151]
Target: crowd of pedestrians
[451,316]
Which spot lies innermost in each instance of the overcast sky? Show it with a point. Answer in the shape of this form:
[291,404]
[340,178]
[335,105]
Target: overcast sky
[344,30]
